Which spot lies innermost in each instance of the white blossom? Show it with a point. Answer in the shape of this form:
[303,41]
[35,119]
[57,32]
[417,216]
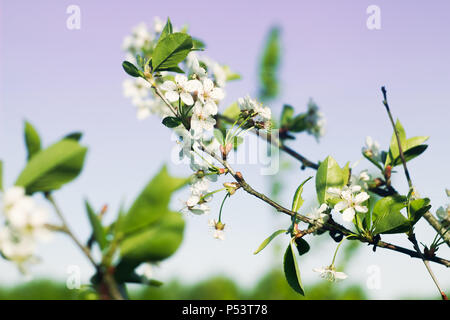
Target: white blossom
[319,214]
[316,120]
[180,89]
[329,273]
[350,201]
[201,120]
[218,229]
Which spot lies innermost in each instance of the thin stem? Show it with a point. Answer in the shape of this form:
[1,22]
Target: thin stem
[221,207]
[412,236]
[337,249]
[66,229]
[400,149]
[109,279]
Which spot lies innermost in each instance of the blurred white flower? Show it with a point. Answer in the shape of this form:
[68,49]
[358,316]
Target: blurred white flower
[319,214]
[329,273]
[218,229]
[372,149]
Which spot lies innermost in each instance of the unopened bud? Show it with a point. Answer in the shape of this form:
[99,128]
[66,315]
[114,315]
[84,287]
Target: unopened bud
[231,187]
[225,150]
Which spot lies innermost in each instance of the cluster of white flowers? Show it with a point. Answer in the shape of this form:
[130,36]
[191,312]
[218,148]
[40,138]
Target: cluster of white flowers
[352,200]
[25,224]
[259,115]
[316,120]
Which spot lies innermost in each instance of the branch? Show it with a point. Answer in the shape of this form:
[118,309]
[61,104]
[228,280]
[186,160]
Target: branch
[412,236]
[330,225]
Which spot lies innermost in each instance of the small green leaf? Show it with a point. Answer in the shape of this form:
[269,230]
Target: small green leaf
[53,167]
[417,208]
[74,136]
[198,44]
[291,270]
[171,122]
[286,115]
[387,217]
[329,175]
[270,62]
[393,149]
[219,136]
[32,140]
[302,246]
[298,123]
[97,228]
[170,51]
[131,69]
[297,202]
[411,154]
[268,240]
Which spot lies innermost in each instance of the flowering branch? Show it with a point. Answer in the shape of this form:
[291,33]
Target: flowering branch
[330,225]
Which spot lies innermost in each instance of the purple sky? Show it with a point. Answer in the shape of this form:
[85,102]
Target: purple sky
[63,80]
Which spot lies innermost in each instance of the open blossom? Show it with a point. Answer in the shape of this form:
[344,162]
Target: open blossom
[329,273]
[194,66]
[197,201]
[201,120]
[180,89]
[351,201]
[319,214]
[218,228]
[208,94]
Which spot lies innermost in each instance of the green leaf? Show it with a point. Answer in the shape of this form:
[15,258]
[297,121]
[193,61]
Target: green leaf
[291,270]
[297,202]
[74,136]
[417,208]
[32,140]
[155,242]
[198,44]
[51,168]
[286,115]
[171,122]
[97,228]
[393,148]
[387,217]
[268,240]
[298,123]
[329,175]
[131,69]
[411,154]
[153,201]
[170,51]
[168,29]
[269,68]
[415,141]
[302,246]
[219,136]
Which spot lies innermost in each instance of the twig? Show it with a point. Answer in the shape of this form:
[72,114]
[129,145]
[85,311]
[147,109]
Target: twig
[109,279]
[412,236]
